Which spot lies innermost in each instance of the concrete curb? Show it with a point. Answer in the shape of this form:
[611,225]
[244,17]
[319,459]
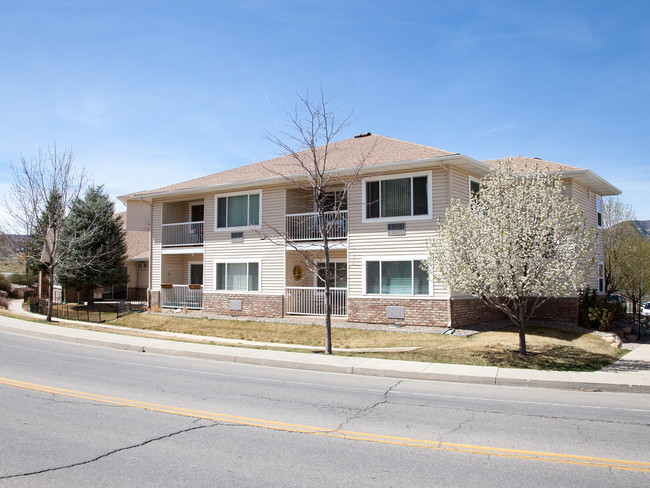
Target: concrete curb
[597,381]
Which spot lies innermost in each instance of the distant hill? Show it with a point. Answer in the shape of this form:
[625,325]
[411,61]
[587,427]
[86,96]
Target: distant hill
[643,226]
[10,242]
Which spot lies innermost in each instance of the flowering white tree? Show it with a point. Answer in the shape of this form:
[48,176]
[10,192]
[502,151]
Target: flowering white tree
[520,242]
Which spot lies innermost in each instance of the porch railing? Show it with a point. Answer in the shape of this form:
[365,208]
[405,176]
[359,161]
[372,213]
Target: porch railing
[306,227]
[180,296]
[311,301]
[182,234]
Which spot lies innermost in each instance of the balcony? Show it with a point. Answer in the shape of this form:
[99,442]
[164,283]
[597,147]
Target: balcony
[182,234]
[311,301]
[181,296]
[306,227]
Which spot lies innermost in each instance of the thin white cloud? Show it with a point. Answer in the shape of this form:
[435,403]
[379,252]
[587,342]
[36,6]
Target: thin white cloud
[89,110]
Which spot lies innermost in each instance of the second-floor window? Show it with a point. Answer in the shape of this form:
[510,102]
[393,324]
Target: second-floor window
[599,211]
[474,187]
[238,210]
[397,197]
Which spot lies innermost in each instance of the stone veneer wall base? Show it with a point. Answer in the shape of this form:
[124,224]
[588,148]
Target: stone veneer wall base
[251,305]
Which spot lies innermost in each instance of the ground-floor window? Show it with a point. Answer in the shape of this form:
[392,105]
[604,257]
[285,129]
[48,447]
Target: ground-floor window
[396,278]
[338,275]
[238,276]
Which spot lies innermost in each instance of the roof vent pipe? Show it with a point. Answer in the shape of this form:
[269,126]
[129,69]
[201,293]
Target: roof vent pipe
[359,136]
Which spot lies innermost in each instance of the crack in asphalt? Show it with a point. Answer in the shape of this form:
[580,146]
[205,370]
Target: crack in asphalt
[362,412]
[540,416]
[114,451]
[460,426]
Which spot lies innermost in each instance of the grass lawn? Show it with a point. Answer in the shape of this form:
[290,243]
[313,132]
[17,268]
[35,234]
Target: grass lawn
[548,348]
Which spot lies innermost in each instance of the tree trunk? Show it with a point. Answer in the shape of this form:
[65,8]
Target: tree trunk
[91,295]
[521,322]
[522,339]
[50,298]
[328,298]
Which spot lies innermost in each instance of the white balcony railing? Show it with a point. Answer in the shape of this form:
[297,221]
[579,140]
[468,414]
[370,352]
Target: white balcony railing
[311,301]
[306,227]
[182,234]
[181,296]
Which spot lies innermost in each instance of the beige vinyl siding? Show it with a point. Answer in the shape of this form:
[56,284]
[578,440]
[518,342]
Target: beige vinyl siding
[294,259]
[218,245]
[175,212]
[138,215]
[371,239]
[174,268]
[138,277]
[587,201]
[142,276]
[459,185]
[132,270]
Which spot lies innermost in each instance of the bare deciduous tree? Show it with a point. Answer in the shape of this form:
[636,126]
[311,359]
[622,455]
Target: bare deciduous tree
[43,188]
[309,143]
[617,217]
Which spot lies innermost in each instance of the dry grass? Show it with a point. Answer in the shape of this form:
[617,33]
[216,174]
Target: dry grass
[551,349]
[11,266]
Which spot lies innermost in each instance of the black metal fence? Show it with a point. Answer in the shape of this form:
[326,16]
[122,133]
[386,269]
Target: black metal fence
[98,312]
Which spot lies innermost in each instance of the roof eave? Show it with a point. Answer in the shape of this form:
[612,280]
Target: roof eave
[592,181]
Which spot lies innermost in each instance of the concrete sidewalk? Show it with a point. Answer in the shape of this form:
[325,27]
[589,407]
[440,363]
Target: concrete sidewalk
[630,374]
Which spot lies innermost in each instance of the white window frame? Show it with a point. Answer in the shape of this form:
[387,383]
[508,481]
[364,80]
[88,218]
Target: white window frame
[404,218]
[364,262]
[317,283]
[599,203]
[239,227]
[238,261]
[601,277]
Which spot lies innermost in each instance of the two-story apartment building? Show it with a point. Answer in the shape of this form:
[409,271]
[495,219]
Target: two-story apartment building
[212,244]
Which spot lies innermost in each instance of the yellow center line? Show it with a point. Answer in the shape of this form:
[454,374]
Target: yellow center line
[622,464]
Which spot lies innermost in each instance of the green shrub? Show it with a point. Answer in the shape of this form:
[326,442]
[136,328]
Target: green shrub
[5,284]
[25,279]
[595,312]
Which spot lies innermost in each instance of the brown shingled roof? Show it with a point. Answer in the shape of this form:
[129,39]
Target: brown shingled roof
[137,245]
[341,155]
[520,163]
[137,242]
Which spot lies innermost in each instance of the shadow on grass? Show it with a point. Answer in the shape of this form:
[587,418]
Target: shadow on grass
[547,357]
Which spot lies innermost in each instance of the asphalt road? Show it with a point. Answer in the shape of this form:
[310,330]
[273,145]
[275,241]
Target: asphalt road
[73,415]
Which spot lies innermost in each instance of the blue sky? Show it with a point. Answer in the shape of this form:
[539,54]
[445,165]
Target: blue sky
[148,93]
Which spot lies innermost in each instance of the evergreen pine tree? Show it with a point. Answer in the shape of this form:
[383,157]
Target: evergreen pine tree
[95,243]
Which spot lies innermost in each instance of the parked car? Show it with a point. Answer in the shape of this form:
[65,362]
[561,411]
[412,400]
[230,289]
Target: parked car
[645,310]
